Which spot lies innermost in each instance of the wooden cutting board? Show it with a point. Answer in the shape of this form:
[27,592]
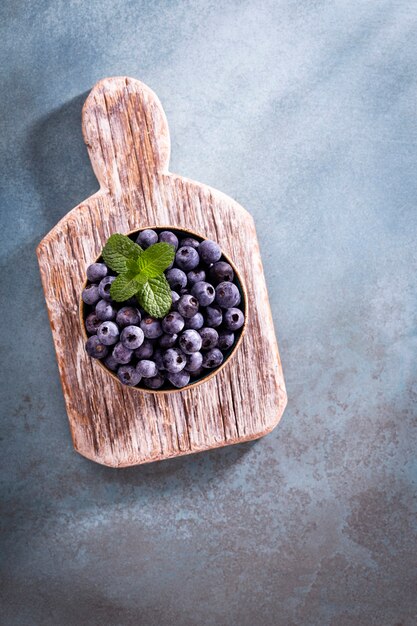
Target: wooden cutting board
[127,137]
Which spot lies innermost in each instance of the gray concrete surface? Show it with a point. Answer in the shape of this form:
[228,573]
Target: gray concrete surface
[305,112]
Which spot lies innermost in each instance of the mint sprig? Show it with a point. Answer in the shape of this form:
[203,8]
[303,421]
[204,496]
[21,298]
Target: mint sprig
[141,273]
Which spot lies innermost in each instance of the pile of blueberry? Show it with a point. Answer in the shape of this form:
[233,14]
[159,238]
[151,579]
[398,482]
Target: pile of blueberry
[195,336]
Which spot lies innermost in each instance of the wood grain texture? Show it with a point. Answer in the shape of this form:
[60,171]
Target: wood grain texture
[127,138]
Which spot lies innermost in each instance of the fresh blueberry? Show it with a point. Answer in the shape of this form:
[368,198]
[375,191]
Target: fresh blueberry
[147,369]
[132,337]
[184,291]
[154,383]
[221,272]
[176,278]
[108,333]
[145,350]
[195,276]
[187,305]
[209,337]
[195,322]
[151,327]
[95,348]
[189,241]
[197,373]
[146,238]
[190,341]
[214,316]
[173,323]
[96,271]
[179,379]
[204,292]
[90,294]
[128,375]
[212,358]
[174,360]
[175,297]
[226,340]
[92,322]
[209,251]
[111,363]
[128,316]
[104,287]
[105,311]
[158,358]
[167,237]
[187,258]
[233,319]
[167,341]
[194,361]
[121,354]
[227,295]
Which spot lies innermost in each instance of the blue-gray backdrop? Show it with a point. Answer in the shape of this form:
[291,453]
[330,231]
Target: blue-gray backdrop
[305,112]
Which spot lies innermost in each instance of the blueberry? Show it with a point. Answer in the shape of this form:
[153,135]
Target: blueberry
[105,311]
[176,278]
[187,258]
[184,291]
[195,276]
[173,323]
[175,297]
[121,354]
[128,375]
[168,237]
[92,322]
[90,294]
[146,238]
[209,337]
[227,295]
[212,358]
[209,251]
[190,341]
[145,350]
[226,340]
[204,292]
[132,337]
[220,272]
[147,369]
[214,316]
[195,322]
[197,373]
[108,333]
[95,348]
[111,363]
[174,360]
[154,383]
[96,271]
[233,319]
[179,379]
[157,357]
[104,287]
[187,305]
[194,361]
[167,341]
[151,327]
[189,241]
[128,316]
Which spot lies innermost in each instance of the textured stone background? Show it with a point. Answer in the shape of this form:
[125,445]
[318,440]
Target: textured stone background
[305,112]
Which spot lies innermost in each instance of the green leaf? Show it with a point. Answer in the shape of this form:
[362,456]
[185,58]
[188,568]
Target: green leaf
[155,259]
[118,250]
[155,296]
[125,286]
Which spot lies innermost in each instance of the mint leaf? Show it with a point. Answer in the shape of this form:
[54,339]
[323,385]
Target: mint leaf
[155,296]
[155,259]
[118,250]
[125,286]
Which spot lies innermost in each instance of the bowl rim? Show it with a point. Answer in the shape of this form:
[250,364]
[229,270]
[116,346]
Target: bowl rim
[211,374]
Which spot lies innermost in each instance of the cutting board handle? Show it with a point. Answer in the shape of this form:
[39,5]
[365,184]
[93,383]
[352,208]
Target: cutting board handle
[126,133]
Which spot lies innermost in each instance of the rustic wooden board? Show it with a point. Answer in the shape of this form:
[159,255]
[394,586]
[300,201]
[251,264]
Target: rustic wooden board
[127,137]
